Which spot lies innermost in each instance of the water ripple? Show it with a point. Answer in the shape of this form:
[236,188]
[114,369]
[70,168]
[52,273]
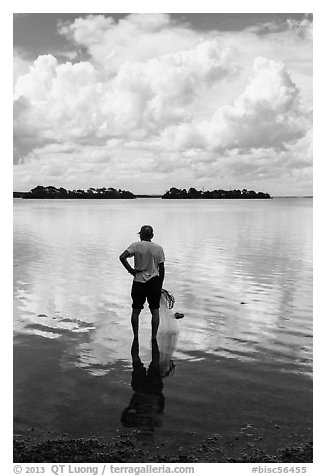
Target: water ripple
[241,273]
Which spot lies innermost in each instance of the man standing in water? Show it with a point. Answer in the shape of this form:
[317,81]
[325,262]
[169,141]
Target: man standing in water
[148,275]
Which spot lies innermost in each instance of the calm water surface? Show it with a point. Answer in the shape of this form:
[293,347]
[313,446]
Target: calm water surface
[240,271]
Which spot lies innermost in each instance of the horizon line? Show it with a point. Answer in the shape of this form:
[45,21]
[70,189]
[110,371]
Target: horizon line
[149,195]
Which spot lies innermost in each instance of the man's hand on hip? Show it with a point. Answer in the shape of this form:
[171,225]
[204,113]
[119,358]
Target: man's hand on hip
[134,271]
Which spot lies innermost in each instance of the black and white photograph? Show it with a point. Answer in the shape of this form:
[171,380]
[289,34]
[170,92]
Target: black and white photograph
[163,239]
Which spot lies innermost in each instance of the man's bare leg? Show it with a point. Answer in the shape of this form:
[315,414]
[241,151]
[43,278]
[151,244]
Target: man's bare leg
[155,354]
[155,322]
[135,321]
[135,352]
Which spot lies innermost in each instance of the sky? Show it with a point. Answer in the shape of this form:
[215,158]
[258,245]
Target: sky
[145,102]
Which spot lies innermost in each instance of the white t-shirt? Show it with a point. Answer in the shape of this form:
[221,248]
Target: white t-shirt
[147,256]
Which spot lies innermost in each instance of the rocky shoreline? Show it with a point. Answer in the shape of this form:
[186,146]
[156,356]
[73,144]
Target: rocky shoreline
[127,448]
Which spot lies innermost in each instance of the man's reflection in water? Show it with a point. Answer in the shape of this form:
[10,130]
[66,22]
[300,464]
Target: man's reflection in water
[145,410]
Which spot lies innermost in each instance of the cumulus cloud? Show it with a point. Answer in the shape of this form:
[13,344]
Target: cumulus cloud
[73,102]
[267,114]
[20,65]
[163,88]
[56,102]
[155,97]
[27,133]
[137,37]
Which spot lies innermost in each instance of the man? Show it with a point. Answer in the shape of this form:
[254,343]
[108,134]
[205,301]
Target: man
[148,275]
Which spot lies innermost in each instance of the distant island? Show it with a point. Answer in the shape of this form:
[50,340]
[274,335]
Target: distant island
[111,193]
[62,193]
[175,193]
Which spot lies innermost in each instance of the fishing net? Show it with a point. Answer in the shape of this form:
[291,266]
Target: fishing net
[168,332]
[168,298]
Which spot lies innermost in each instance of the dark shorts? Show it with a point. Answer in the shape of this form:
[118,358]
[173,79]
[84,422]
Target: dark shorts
[151,290]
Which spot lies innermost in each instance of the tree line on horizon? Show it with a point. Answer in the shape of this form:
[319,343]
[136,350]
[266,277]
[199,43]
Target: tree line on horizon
[61,193]
[216,194]
[111,193]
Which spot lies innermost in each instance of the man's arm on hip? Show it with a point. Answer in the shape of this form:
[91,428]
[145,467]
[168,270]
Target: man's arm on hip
[124,260]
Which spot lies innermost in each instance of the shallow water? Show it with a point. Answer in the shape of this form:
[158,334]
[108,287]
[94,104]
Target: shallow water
[240,271]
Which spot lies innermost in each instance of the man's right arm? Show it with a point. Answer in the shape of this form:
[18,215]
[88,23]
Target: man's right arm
[124,260]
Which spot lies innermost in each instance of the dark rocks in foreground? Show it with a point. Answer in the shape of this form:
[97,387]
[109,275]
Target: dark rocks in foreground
[126,449]
[215,194]
[62,193]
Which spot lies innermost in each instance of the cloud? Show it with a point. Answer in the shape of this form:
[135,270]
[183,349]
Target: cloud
[304,28]
[56,103]
[268,113]
[73,102]
[161,89]
[158,100]
[28,135]
[301,28]
[137,37]
[20,65]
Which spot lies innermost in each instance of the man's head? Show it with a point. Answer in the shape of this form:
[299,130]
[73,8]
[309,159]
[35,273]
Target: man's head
[146,232]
